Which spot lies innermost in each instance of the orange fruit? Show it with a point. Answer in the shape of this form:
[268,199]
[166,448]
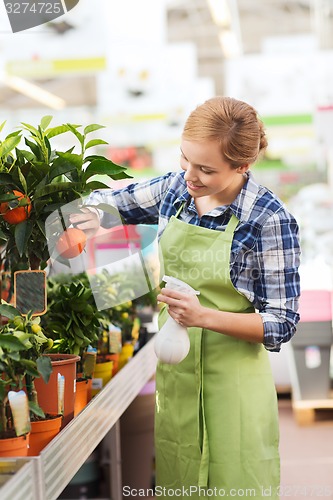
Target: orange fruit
[14,214]
[71,243]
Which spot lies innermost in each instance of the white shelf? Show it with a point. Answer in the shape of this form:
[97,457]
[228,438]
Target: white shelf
[23,485]
[62,458]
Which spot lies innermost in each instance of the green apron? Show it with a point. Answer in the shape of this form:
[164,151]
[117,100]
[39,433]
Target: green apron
[216,416]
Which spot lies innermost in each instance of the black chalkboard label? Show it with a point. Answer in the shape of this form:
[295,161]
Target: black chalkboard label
[30,291]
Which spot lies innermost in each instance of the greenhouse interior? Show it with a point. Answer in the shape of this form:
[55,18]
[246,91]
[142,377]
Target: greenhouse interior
[166,249]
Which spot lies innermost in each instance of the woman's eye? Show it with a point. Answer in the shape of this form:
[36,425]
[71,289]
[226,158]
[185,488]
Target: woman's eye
[204,171]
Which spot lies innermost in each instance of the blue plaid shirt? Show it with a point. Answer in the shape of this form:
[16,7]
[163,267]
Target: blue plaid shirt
[265,251]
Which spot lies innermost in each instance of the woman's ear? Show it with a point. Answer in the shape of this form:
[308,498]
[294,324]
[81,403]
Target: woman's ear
[243,168]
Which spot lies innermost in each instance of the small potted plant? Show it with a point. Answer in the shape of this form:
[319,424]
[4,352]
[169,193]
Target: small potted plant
[73,323]
[22,344]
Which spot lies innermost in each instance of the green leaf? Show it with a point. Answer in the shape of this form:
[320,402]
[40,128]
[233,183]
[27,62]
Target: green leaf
[36,409]
[2,125]
[22,234]
[27,154]
[78,332]
[96,185]
[41,226]
[76,350]
[102,167]
[72,158]
[8,145]
[34,148]
[121,175]
[44,367]
[90,158]
[77,305]
[61,166]
[11,343]
[48,147]
[40,143]
[45,121]
[56,188]
[95,142]
[22,180]
[8,197]
[6,179]
[14,134]
[92,128]
[86,294]
[76,133]
[16,356]
[9,311]
[28,363]
[60,129]
[31,129]
[30,367]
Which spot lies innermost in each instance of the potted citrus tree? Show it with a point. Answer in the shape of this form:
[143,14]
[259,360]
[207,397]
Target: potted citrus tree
[36,180]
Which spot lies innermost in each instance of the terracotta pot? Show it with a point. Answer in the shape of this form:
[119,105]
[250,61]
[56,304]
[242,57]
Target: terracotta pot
[102,375]
[82,395]
[42,432]
[15,447]
[47,394]
[115,358]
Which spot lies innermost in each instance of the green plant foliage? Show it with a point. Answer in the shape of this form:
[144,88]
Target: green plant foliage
[50,178]
[22,344]
[72,320]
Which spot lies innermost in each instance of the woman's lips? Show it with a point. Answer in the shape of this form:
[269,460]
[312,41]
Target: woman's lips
[193,187]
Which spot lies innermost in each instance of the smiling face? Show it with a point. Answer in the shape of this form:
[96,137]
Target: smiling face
[208,174]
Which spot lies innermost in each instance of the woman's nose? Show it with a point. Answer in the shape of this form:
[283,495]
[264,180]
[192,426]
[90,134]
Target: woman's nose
[189,174]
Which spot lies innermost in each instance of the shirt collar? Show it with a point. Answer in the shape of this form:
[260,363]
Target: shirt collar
[241,207]
[182,195]
[243,204]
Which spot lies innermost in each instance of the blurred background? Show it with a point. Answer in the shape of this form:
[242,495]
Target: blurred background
[139,68]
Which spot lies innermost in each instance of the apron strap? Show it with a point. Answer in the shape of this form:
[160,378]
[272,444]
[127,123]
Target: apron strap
[180,209]
[232,224]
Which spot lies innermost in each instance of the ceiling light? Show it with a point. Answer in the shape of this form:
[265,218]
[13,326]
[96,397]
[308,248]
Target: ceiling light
[220,12]
[230,44]
[33,91]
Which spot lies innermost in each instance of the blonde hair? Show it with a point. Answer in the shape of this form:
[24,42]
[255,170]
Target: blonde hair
[234,124]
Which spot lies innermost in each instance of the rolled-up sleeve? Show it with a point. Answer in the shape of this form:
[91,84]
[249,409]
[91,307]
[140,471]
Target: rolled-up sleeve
[267,274]
[137,203]
[277,287]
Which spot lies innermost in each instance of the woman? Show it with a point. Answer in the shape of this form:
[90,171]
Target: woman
[216,427]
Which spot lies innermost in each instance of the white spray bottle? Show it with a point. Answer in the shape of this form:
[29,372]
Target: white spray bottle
[172,342]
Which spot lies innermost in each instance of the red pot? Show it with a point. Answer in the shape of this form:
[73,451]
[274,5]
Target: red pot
[42,432]
[47,394]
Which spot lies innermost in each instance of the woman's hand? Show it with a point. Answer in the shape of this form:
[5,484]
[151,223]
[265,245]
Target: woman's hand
[87,219]
[183,308]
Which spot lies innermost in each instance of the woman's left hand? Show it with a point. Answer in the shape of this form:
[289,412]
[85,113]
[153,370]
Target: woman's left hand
[183,308]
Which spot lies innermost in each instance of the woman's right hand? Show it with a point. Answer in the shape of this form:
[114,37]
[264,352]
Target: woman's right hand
[87,219]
